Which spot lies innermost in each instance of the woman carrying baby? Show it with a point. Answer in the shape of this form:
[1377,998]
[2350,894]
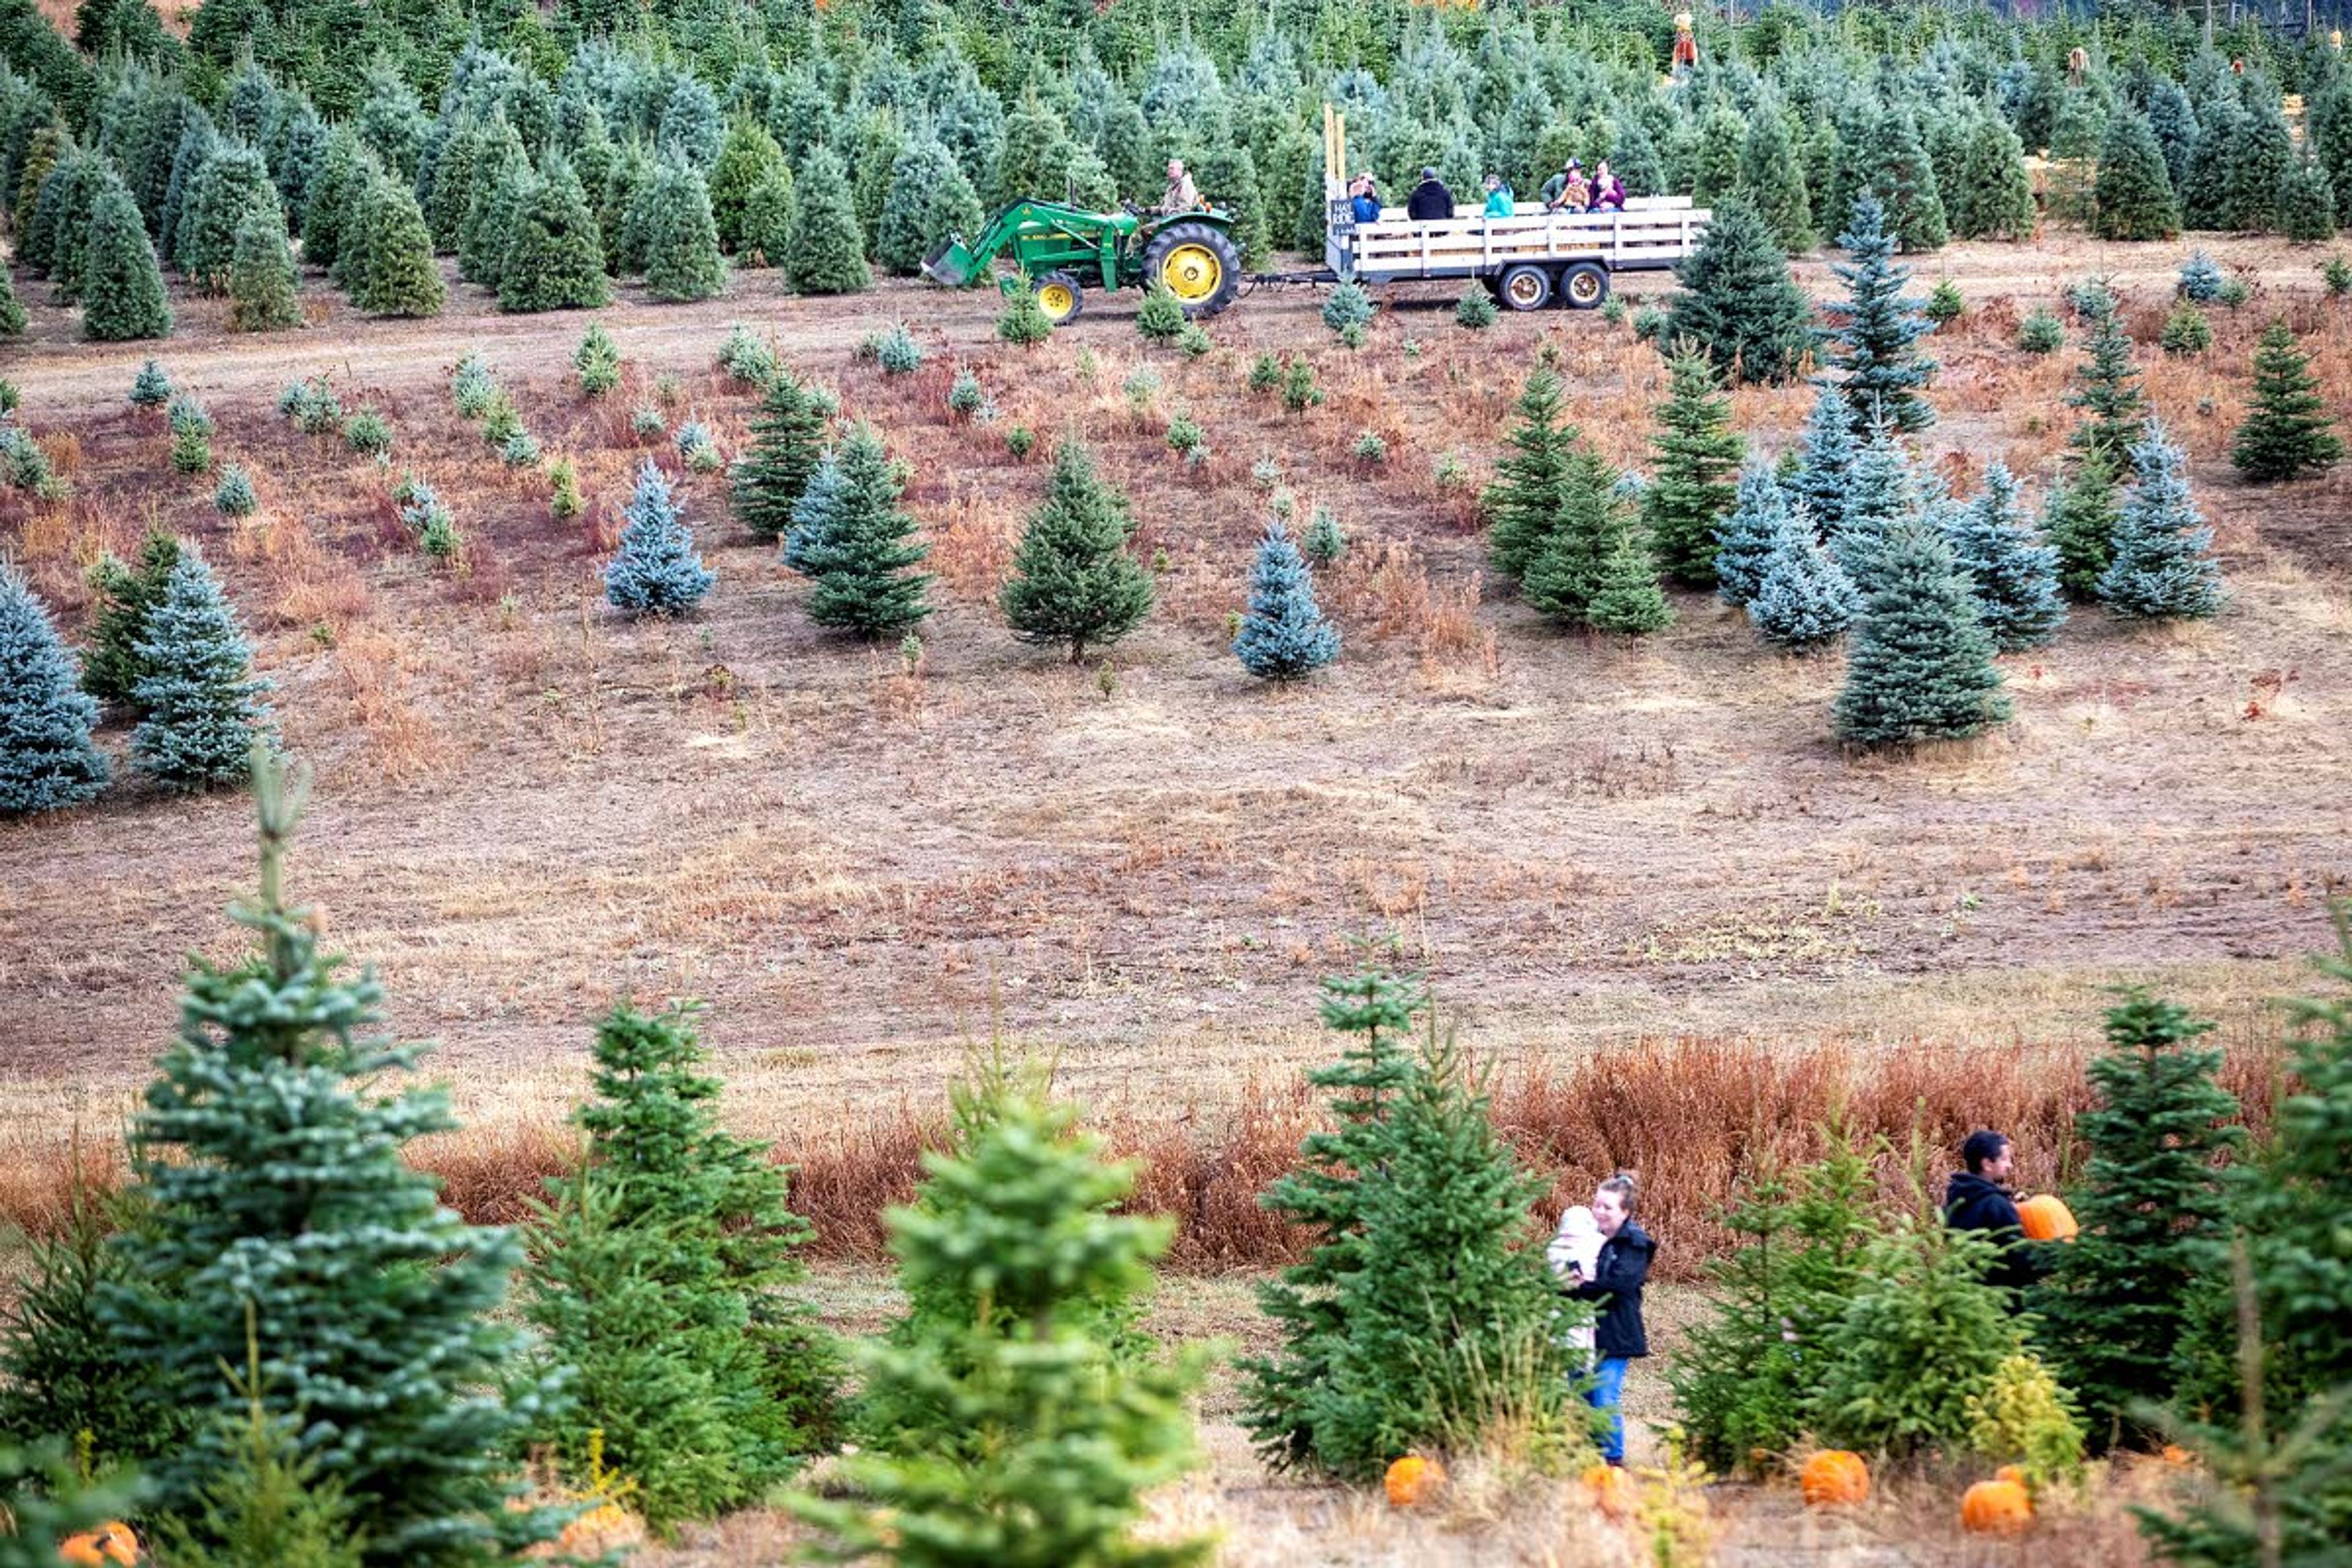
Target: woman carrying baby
[1602,1256]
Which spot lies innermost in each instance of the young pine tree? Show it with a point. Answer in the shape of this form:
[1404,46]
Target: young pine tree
[47,758]
[2124,1294]
[812,518]
[1877,330]
[787,433]
[1526,499]
[1584,551]
[2080,523]
[1626,597]
[1921,1335]
[1771,176]
[1422,1310]
[1745,538]
[261,288]
[824,251]
[1995,195]
[2307,203]
[747,156]
[1283,636]
[202,706]
[1018,1436]
[865,557]
[2014,577]
[1073,581]
[269,1150]
[1919,666]
[1741,1380]
[555,255]
[2160,565]
[1738,302]
[1825,461]
[656,1276]
[2107,389]
[124,595]
[121,287]
[1696,454]
[767,220]
[656,570]
[2288,431]
[598,360]
[1804,600]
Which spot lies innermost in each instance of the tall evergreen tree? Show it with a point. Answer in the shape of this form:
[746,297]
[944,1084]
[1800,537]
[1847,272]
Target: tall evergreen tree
[2161,564]
[1696,454]
[1919,663]
[2260,154]
[202,706]
[555,255]
[233,184]
[786,436]
[1073,581]
[681,258]
[865,557]
[1420,1270]
[767,219]
[2080,523]
[1283,635]
[496,187]
[121,287]
[2151,1205]
[391,271]
[334,192]
[46,759]
[1020,1434]
[2015,578]
[1771,176]
[1738,302]
[1877,330]
[746,157]
[2288,431]
[656,570]
[2107,389]
[269,1152]
[1526,498]
[2307,202]
[824,251]
[262,290]
[1584,552]
[1993,197]
[657,1273]
[2135,199]
[928,199]
[1905,182]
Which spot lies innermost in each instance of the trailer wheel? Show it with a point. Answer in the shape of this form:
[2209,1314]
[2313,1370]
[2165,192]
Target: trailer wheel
[1526,287]
[1059,295]
[1584,286]
[1199,264]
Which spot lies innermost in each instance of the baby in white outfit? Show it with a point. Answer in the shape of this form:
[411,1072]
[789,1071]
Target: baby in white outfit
[1576,1246]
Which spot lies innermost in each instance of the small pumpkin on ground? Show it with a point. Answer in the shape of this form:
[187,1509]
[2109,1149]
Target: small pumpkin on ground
[109,1542]
[1834,1478]
[2046,1217]
[1997,1508]
[1414,1480]
[2174,1454]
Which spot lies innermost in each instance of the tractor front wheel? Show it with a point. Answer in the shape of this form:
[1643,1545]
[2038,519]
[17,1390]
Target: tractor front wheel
[1199,264]
[1059,295]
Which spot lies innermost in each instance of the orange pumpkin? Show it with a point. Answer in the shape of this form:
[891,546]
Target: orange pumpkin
[1611,1492]
[2174,1454]
[2046,1217]
[1997,1508]
[109,1542]
[1414,1480]
[1833,1476]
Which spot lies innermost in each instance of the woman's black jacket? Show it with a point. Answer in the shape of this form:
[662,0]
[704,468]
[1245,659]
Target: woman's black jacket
[1616,1283]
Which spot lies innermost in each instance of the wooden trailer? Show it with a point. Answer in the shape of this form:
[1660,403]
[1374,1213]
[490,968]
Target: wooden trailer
[1530,260]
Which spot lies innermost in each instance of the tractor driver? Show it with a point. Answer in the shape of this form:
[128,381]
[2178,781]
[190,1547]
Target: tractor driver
[1182,195]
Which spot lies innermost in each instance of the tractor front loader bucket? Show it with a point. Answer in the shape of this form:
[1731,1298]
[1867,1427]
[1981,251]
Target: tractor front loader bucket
[951,263]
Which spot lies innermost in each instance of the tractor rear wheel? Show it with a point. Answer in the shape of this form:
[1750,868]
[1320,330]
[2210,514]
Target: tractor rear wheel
[1059,295]
[1199,264]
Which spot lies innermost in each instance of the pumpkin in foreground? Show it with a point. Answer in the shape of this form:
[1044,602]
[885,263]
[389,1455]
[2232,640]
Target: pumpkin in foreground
[1414,1480]
[1834,1478]
[1997,1508]
[109,1542]
[2046,1217]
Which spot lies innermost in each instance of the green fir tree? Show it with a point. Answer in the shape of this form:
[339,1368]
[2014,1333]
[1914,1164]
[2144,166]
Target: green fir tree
[1695,461]
[121,287]
[555,254]
[261,288]
[1920,662]
[1073,580]
[865,558]
[787,434]
[824,251]
[2133,196]
[679,242]
[201,705]
[1738,302]
[2288,431]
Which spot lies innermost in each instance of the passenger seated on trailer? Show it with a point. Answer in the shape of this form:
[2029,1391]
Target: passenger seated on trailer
[1431,202]
[1608,190]
[1500,202]
[1552,188]
[1576,195]
[1364,198]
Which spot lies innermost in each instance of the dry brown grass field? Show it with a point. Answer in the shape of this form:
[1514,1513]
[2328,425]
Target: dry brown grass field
[1645,884]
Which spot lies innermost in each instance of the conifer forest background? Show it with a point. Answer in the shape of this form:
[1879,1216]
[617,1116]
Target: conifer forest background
[982,890]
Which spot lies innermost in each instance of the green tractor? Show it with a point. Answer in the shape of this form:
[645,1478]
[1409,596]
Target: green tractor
[1065,251]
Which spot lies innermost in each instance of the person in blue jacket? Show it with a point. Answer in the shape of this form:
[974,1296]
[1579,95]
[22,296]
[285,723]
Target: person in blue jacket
[1617,1336]
[1500,200]
[1364,198]
[1978,1197]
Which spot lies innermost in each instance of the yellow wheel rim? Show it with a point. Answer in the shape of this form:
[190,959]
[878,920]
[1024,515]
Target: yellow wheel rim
[1193,273]
[1056,301]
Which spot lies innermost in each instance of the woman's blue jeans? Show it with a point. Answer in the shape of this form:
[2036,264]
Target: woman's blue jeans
[1608,1393]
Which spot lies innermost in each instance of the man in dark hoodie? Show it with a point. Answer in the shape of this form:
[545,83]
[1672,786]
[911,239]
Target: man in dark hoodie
[1618,1335]
[1979,1198]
